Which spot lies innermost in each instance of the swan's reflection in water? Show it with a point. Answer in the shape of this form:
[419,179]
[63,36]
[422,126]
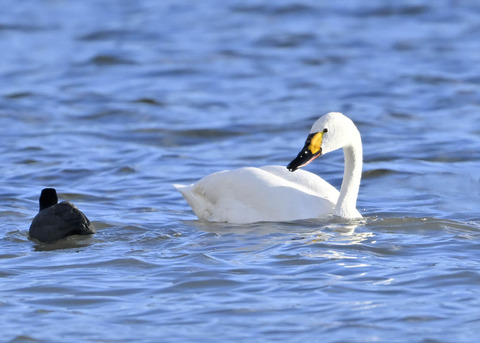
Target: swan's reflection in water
[343,234]
[335,240]
[330,239]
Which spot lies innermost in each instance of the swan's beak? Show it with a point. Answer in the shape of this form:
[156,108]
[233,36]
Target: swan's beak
[311,150]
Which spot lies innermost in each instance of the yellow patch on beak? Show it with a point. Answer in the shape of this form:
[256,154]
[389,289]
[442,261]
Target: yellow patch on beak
[316,143]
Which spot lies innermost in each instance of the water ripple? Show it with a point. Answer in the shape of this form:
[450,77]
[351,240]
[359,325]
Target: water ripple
[112,103]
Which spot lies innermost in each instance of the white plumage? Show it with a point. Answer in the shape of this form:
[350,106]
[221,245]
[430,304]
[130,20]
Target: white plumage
[273,193]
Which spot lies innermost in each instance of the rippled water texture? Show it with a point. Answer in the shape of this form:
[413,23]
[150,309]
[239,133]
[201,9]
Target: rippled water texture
[112,102]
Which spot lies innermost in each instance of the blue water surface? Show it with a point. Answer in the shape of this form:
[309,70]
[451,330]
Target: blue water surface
[112,102]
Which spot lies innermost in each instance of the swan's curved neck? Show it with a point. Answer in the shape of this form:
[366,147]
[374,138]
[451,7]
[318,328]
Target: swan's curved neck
[347,201]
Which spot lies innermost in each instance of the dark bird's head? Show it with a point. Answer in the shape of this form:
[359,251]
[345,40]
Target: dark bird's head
[48,198]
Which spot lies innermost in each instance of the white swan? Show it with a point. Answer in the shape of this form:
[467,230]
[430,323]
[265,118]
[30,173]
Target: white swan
[272,193]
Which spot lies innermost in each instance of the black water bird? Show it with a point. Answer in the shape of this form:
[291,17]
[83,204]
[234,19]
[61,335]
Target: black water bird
[58,220]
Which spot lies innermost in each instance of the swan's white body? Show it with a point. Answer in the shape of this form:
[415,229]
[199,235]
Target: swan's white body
[272,193]
[269,193]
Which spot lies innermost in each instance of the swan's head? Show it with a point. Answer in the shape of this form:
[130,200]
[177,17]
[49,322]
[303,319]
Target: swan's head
[330,132]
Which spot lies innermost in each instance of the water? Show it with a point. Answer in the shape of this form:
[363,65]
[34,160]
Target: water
[112,102]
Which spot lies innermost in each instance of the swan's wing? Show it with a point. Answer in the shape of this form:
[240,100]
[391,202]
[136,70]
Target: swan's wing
[305,179]
[248,195]
[59,221]
[226,196]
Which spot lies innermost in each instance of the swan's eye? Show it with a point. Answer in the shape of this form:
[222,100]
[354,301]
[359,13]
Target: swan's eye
[325,130]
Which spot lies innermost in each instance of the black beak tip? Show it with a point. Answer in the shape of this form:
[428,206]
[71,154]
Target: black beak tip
[290,168]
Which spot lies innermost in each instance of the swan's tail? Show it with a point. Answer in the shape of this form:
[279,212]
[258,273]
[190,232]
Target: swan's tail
[196,202]
[185,190]
[178,187]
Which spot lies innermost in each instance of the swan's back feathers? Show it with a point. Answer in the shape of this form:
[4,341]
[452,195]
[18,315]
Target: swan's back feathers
[59,221]
[311,182]
[269,193]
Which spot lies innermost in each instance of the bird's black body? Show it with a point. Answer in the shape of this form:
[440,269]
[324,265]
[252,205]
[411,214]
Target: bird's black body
[56,221]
